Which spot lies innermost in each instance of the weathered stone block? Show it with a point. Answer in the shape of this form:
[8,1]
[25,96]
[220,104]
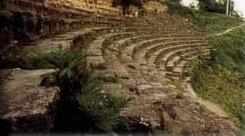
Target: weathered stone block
[25,105]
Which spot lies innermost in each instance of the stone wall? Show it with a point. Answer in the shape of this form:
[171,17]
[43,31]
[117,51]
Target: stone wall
[27,20]
[44,17]
[155,6]
[75,6]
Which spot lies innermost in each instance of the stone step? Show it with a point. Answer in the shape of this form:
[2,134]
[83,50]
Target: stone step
[153,55]
[168,39]
[115,41]
[181,51]
[25,104]
[95,50]
[156,36]
[187,56]
[119,44]
[61,41]
[180,71]
[141,52]
[168,54]
[172,43]
[128,52]
[183,64]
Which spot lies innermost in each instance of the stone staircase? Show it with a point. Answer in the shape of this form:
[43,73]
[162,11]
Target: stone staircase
[151,64]
[150,57]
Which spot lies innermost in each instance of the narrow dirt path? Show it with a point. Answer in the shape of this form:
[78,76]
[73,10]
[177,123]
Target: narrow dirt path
[227,30]
[215,108]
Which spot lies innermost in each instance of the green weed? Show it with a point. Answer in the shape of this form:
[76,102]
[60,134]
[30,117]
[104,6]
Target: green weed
[91,108]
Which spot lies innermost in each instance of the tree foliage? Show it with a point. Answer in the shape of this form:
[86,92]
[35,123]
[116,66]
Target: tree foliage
[205,5]
[213,5]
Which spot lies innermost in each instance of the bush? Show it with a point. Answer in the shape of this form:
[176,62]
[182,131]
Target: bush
[85,107]
[100,109]
[213,6]
[71,66]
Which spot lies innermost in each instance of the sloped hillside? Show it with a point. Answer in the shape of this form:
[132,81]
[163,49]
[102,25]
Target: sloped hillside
[220,78]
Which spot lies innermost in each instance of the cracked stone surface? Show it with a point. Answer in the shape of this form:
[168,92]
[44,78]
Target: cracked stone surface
[24,103]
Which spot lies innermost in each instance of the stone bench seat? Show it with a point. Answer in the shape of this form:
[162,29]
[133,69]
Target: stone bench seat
[25,104]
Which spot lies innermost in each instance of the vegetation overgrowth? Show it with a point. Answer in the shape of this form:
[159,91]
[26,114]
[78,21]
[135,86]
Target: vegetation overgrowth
[220,79]
[210,22]
[85,106]
[90,108]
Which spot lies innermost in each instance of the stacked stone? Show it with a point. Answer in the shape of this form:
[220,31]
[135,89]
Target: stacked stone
[95,6]
[106,7]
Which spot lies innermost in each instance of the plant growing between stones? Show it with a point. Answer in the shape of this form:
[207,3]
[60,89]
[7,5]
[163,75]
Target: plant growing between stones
[89,107]
[100,109]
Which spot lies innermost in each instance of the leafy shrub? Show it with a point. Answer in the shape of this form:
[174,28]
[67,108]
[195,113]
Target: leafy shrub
[85,107]
[70,65]
[101,109]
